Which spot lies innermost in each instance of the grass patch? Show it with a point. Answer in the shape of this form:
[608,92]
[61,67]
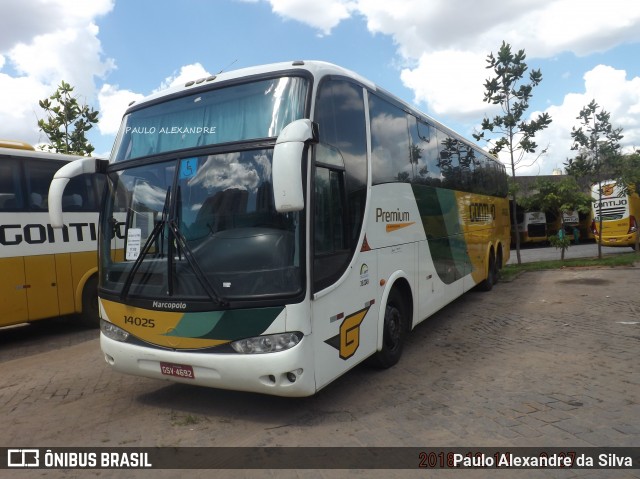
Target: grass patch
[511,271]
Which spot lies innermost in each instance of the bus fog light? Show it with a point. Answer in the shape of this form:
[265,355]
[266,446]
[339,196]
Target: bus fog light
[267,344]
[291,377]
[112,331]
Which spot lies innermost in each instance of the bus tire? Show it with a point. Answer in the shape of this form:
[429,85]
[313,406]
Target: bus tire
[492,274]
[90,316]
[394,332]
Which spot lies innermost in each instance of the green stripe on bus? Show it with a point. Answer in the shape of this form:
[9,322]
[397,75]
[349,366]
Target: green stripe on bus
[441,220]
[226,325]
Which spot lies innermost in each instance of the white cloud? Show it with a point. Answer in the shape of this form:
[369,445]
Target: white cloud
[112,105]
[444,46]
[322,15]
[613,92]
[22,20]
[42,43]
[17,114]
[72,54]
[187,73]
[113,102]
[441,81]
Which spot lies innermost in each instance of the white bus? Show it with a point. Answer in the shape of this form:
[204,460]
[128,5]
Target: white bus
[46,272]
[282,224]
[532,226]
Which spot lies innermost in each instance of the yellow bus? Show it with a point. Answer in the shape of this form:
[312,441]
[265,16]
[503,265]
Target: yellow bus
[281,224]
[620,213]
[532,226]
[46,272]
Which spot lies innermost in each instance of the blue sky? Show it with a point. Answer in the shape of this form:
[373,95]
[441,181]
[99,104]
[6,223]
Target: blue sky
[431,53]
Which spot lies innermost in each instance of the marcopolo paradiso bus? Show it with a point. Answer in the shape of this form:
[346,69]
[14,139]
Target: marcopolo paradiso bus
[270,228]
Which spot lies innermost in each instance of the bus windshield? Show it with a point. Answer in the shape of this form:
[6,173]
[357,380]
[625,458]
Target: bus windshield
[200,225]
[238,112]
[214,236]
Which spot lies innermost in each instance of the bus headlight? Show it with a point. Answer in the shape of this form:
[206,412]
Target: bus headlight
[267,344]
[112,331]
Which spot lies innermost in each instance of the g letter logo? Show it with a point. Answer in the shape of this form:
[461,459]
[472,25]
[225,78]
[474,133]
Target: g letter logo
[348,341]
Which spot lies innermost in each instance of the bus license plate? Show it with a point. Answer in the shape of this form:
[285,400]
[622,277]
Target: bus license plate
[177,370]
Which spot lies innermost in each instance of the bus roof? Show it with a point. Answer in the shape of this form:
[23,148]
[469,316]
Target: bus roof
[317,68]
[43,155]
[19,145]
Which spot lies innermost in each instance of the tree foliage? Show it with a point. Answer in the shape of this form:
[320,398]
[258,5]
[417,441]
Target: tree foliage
[598,144]
[509,89]
[67,122]
[557,198]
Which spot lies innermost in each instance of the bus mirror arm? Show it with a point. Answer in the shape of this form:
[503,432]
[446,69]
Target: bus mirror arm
[287,164]
[62,177]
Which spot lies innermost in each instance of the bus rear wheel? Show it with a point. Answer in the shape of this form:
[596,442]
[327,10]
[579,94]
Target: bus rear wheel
[394,332]
[492,275]
[90,317]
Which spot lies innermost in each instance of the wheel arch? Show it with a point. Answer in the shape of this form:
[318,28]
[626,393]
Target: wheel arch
[399,281]
[80,287]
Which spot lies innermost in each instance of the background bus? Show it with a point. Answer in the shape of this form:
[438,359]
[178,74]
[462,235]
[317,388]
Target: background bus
[567,221]
[45,272]
[620,215]
[283,224]
[532,227]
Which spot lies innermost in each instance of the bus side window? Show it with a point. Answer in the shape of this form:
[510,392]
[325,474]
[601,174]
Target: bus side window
[391,155]
[10,186]
[39,175]
[340,176]
[424,152]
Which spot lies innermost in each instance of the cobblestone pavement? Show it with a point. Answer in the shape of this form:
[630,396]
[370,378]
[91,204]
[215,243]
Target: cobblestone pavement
[550,359]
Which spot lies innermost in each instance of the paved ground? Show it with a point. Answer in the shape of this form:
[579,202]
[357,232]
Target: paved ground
[550,359]
[533,253]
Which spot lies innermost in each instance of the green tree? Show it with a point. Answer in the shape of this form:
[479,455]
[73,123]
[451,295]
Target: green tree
[559,197]
[515,135]
[67,122]
[598,143]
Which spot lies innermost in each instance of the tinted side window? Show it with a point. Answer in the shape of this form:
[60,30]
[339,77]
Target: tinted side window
[340,177]
[329,231]
[424,152]
[82,193]
[39,175]
[391,158]
[79,195]
[10,185]
[457,162]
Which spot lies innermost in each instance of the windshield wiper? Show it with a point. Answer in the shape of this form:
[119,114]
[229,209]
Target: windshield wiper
[157,229]
[188,254]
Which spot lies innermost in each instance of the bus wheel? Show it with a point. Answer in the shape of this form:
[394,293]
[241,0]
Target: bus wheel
[492,274]
[90,316]
[394,332]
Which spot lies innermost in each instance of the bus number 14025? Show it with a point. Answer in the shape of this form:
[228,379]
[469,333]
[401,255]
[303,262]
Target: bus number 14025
[144,322]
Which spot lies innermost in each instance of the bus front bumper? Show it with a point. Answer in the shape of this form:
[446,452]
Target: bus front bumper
[284,373]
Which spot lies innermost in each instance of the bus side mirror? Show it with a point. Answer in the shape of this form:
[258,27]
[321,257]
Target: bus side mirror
[287,164]
[62,177]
